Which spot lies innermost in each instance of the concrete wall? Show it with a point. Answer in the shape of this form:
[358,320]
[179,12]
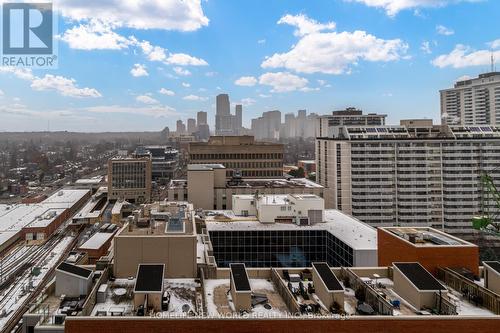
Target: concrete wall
[404,288]
[244,204]
[201,189]
[178,253]
[491,279]
[242,300]
[327,297]
[365,258]
[72,286]
[154,300]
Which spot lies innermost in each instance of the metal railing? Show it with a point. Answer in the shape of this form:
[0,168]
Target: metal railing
[372,297]
[470,290]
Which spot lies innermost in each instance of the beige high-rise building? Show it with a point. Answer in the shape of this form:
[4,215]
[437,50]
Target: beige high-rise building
[408,176]
[472,101]
[348,117]
[240,153]
[129,179]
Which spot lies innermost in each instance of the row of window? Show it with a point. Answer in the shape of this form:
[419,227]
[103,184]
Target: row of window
[237,156]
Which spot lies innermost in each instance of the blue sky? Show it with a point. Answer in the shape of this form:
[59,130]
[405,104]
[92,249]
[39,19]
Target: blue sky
[141,65]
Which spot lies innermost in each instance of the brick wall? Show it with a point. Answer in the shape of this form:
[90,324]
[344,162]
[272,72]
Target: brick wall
[361,324]
[393,249]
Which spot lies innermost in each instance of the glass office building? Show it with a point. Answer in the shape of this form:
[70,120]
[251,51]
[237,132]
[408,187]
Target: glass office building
[279,248]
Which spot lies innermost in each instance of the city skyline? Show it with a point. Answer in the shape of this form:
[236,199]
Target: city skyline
[169,60]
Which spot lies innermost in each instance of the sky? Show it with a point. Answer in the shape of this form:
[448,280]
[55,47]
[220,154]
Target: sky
[129,65]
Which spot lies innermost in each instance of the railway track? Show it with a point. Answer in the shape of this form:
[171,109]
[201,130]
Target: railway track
[37,258]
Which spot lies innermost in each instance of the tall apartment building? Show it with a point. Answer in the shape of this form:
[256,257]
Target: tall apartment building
[129,179]
[242,153]
[473,101]
[267,126]
[408,176]
[348,117]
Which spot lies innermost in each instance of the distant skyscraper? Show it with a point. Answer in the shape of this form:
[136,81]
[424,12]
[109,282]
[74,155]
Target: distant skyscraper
[268,126]
[201,118]
[222,105]
[224,120]
[191,125]
[238,116]
[180,127]
[472,101]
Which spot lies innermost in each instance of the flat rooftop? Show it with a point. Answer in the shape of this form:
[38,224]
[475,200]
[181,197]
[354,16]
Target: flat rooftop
[356,234]
[166,218]
[204,167]
[66,197]
[256,183]
[119,299]
[96,241]
[426,237]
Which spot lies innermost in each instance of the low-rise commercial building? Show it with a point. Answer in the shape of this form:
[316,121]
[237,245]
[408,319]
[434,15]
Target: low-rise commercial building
[160,233]
[430,247]
[241,155]
[207,187]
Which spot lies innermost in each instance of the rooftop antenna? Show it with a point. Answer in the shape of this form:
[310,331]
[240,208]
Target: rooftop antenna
[492,62]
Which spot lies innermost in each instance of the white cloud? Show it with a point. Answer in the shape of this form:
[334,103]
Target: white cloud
[185,15]
[463,78]
[305,25]
[139,70]
[464,56]
[494,44]
[146,99]
[283,81]
[261,41]
[392,7]
[426,47]
[309,89]
[166,92]
[336,52]
[60,84]
[1,93]
[210,74]
[63,86]
[264,95]
[20,73]
[194,98]
[442,30]
[247,101]
[181,71]
[95,35]
[157,53]
[186,85]
[183,59]
[247,81]
[152,111]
